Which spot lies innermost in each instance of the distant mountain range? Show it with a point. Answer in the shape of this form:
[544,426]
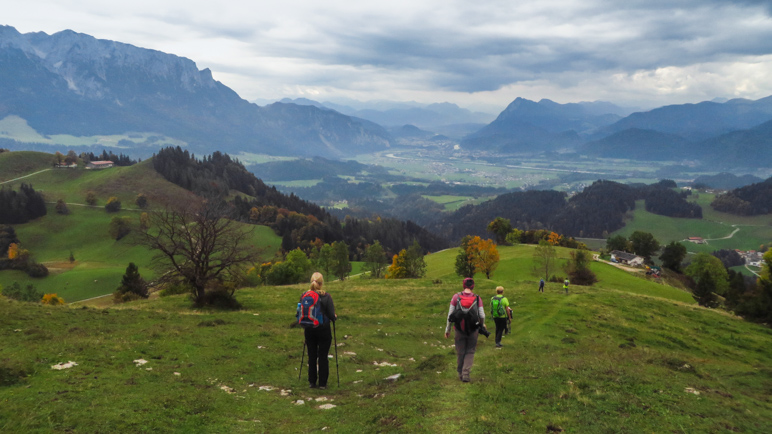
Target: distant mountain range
[71,83]
[442,118]
[733,134]
[526,125]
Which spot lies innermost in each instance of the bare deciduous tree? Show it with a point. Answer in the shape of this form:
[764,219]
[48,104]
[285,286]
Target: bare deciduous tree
[198,244]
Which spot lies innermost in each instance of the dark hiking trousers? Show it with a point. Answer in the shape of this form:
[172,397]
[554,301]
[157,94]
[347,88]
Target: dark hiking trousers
[318,341]
[466,344]
[501,326]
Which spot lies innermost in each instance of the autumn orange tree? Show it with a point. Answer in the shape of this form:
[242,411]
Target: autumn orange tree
[485,255]
[477,255]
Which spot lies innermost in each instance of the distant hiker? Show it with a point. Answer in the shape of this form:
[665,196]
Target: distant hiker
[315,311]
[467,316]
[565,285]
[541,285]
[501,313]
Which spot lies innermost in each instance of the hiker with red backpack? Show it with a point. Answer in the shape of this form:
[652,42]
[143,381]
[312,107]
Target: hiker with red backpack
[315,312]
[467,316]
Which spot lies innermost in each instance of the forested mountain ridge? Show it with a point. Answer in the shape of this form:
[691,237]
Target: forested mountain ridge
[752,199]
[595,212]
[298,222]
[72,83]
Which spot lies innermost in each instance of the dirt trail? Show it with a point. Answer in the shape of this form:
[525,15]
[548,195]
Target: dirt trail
[25,176]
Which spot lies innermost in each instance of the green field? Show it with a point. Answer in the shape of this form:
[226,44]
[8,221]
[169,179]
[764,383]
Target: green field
[753,231]
[615,357]
[452,203]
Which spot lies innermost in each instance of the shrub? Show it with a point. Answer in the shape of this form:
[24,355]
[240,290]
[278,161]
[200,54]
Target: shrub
[52,299]
[220,299]
[91,198]
[28,293]
[119,227]
[141,200]
[36,270]
[61,207]
[113,204]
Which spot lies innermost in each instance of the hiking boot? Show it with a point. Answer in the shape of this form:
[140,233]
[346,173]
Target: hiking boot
[465,378]
[312,385]
[498,345]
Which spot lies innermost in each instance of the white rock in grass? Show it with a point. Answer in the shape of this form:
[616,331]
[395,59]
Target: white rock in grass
[299,402]
[394,377]
[358,381]
[60,366]
[266,388]
[177,374]
[227,389]
[148,369]
[349,353]
[692,390]
[329,356]
[321,399]
[327,406]
[384,364]
[140,362]
[285,392]
[359,370]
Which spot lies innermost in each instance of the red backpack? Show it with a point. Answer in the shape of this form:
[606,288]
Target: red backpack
[309,312]
[466,316]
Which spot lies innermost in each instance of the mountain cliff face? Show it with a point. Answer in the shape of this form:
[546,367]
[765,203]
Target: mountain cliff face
[72,83]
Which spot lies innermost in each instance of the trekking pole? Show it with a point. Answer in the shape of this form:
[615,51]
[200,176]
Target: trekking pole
[337,370]
[300,371]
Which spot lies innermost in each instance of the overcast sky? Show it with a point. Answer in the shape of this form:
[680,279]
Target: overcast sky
[476,54]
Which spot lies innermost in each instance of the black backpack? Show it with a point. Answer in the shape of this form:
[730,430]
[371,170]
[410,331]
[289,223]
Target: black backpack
[466,319]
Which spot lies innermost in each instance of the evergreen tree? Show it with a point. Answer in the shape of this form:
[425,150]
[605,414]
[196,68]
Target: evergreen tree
[133,286]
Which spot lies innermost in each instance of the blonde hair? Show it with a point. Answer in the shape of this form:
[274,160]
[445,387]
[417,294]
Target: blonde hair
[499,290]
[317,280]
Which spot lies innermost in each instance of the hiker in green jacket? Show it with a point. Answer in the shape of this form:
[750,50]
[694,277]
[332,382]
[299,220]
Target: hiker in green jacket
[501,313]
[565,285]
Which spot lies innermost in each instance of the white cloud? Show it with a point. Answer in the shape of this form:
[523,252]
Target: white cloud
[471,53]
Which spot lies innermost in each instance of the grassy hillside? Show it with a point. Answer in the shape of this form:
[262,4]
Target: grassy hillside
[516,263]
[20,163]
[601,359]
[71,185]
[100,261]
[714,226]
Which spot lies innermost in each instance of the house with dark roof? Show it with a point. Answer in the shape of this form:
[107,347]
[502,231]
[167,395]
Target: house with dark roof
[626,258]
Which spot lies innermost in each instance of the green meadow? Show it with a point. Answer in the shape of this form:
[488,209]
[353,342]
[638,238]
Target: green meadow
[100,261]
[625,355]
[722,230]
